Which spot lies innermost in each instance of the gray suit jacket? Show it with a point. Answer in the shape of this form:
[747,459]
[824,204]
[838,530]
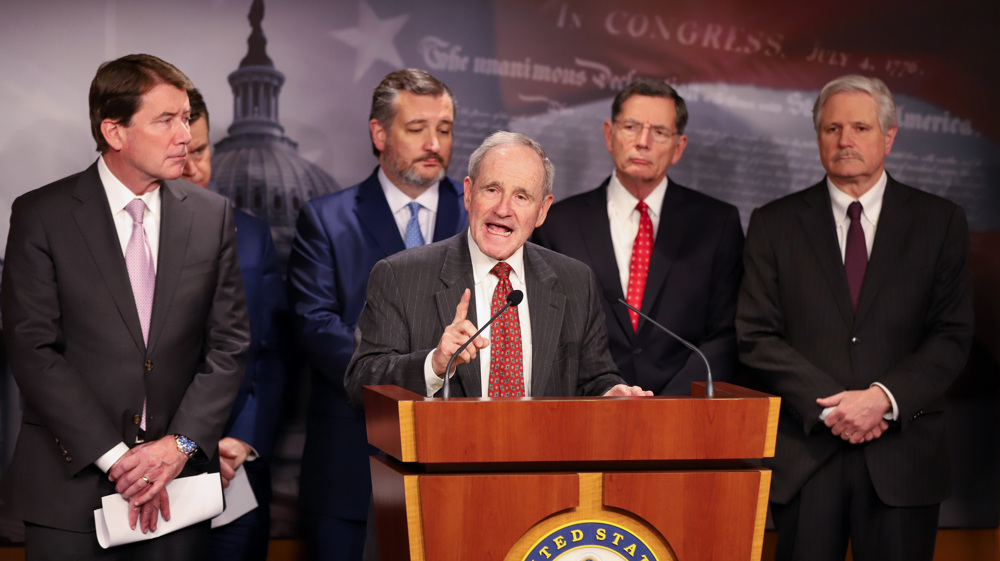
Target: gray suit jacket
[412,297]
[912,332]
[76,348]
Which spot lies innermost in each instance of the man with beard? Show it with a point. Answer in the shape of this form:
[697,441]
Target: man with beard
[406,202]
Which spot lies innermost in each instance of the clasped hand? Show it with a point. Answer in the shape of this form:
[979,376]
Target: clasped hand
[141,476]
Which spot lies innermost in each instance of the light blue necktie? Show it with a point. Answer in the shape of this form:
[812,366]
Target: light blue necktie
[413,236]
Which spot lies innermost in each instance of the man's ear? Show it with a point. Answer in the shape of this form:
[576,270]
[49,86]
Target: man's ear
[378,134]
[114,133]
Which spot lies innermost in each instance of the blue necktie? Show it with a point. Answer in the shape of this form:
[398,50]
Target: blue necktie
[413,236]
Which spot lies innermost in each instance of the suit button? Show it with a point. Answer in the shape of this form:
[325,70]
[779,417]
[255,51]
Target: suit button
[149,366]
[69,459]
[137,419]
[855,340]
[637,351]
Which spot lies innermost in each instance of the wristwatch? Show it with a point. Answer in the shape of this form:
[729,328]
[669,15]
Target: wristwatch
[186,445]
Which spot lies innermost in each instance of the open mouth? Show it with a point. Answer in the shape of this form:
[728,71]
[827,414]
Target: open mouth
[499,229]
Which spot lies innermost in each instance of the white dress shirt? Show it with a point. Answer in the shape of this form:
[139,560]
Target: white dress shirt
[482,291]
[624,220]
[118,197]
[871,208]
[399,200]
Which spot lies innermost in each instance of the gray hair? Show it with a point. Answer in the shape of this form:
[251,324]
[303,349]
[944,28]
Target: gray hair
[504,138]
[413,80]
[885,106]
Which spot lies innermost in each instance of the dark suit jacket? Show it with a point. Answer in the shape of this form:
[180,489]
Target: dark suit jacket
[694,276]
[338,239]
[255,421]
[76,348]
[412,298]
[912,332]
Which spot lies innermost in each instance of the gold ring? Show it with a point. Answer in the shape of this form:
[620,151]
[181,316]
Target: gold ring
[847,434]
[146,479]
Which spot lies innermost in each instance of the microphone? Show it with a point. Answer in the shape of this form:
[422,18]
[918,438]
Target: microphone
[513,299]
[709,388]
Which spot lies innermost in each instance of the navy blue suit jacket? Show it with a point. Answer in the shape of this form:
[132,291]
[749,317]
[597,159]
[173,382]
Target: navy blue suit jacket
[694,276]
[338,239]
[257,410]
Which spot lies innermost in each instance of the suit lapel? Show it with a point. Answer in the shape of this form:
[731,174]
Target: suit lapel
[893,223]
[93,218]
[547,307]
[674,223]
[456,274]
[175,235]
[821,232]
[447,223]
[595,231]
[375,216]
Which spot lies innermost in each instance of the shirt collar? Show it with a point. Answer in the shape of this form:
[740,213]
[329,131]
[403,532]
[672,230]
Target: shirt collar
[624,202]
[398,200]
[482,264]
[871,201]
[119,195]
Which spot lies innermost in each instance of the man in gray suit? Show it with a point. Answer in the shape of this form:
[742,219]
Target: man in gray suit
[423,303]
[125,318]
[861,349]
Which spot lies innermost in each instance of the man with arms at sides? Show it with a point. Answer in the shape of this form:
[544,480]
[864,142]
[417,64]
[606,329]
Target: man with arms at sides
[856,309]
[126,323]
[252,427]
[424,304]
[406,201]
[671,252]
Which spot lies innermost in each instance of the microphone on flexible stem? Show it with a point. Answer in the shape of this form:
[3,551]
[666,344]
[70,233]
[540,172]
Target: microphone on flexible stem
[709,388]
[513,299]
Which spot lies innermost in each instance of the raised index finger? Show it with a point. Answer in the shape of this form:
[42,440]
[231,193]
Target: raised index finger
[462,310]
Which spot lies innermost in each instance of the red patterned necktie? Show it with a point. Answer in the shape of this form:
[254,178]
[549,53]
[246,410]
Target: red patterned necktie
[638,268]
[855,254]
[506,373]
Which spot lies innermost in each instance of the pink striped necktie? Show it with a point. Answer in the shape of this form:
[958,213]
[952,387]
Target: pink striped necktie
[139,261]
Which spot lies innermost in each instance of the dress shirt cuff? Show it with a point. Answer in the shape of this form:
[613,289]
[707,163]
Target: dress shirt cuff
[889,415]
[432,381]
[105,462]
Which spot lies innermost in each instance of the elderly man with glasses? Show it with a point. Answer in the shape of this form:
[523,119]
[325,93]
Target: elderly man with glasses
[670,251]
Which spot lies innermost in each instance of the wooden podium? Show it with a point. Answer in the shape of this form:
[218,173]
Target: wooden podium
[662,478]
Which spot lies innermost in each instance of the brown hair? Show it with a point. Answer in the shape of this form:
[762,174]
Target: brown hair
[411,80]
[117,89]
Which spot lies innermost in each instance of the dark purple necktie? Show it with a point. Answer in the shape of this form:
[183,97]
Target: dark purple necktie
[855,254]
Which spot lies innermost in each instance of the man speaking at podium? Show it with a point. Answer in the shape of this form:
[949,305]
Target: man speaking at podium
[424,303]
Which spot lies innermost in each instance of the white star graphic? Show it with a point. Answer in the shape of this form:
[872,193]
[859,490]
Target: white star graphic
[373,39]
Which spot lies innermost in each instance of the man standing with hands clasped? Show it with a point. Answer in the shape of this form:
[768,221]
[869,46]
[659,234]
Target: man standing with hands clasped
[125,319]
[856,309]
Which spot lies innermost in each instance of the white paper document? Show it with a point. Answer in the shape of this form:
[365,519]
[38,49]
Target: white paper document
[239,499]
[192,500]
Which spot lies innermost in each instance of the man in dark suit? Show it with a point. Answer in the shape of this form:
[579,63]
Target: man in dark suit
[339,237]
[856,309]
[423,304]
[125,319]
[252,427]
[678,258]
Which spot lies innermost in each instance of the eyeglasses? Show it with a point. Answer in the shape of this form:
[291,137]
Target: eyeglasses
[632,129]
